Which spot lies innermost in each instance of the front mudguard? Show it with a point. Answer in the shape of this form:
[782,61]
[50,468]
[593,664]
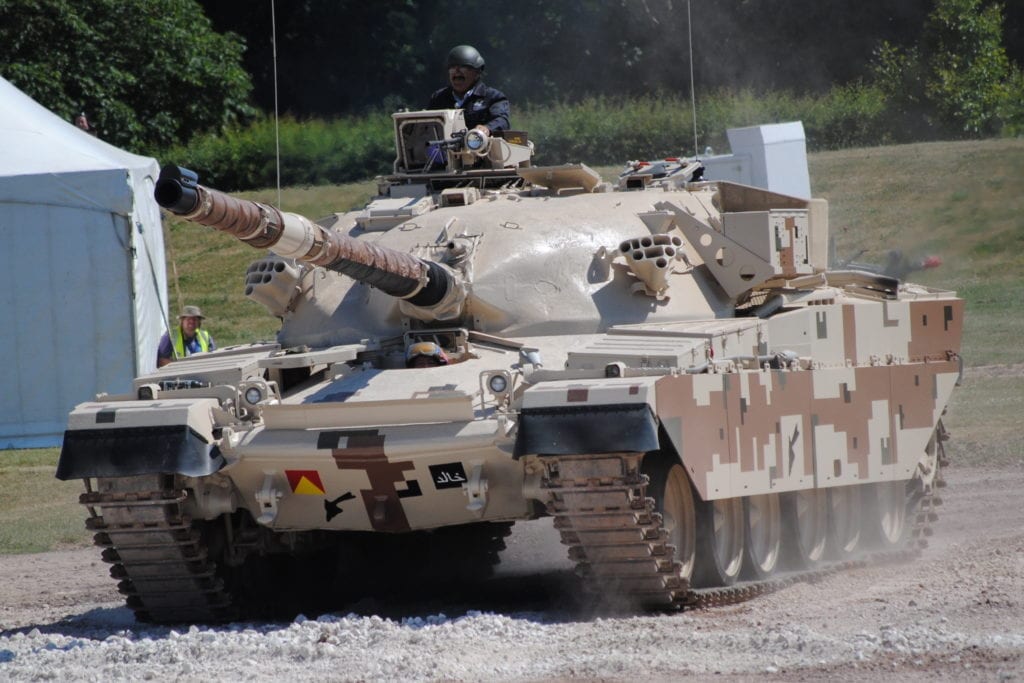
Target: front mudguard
[567,430]
[128,438]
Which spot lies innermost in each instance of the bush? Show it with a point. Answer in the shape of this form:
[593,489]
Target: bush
[597,131]
[603,131]
[957,81]
[313,152]
[1011,105]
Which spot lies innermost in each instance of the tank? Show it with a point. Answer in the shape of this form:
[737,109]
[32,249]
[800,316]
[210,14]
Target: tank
[662,365]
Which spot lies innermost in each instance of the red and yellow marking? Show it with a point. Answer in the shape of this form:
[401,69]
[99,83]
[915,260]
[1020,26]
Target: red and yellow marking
[305,482]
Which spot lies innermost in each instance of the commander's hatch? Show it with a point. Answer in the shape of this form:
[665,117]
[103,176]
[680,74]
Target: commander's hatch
[434,146]
[414,133]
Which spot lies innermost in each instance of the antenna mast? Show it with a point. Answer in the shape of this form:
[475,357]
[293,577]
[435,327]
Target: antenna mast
[277,130]
[693,97]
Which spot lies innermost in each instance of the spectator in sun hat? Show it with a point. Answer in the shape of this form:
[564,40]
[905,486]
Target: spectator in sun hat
[186,339]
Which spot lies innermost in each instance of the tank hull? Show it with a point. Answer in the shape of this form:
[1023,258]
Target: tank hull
[330,458]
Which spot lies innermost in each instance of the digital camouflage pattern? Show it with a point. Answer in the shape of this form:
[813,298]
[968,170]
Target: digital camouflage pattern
[597,335]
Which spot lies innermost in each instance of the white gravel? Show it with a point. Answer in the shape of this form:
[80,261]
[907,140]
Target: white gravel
[472,647]
[957,612]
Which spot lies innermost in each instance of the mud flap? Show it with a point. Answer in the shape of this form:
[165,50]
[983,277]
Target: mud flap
[136,450]
[587,429]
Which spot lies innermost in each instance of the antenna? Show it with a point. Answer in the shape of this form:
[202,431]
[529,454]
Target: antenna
[693,97]
[277,129]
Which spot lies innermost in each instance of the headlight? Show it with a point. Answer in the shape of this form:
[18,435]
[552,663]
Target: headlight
[497,383]
[253,395]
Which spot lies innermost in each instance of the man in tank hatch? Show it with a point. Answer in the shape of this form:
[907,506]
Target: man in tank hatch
[425,354]
[186,339]
[483,106]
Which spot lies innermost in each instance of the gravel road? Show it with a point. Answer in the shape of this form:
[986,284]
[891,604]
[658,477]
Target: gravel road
[956,612]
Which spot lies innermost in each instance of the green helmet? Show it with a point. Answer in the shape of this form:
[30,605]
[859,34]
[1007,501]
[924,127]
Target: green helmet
[466,55]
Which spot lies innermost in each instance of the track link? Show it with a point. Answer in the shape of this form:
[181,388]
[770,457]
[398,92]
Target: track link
[603,514]
[158,558]
[598,502]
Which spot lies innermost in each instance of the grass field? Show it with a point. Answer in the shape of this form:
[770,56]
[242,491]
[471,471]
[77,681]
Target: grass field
[38,512]
[963,201]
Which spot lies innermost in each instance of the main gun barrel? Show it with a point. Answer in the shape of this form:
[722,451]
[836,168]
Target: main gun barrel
[421,283]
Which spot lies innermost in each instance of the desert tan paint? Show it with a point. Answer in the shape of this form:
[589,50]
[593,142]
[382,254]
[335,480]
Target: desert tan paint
[777,430]
[875,370]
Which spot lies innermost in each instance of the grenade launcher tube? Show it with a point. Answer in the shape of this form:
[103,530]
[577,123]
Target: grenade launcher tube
[421,283]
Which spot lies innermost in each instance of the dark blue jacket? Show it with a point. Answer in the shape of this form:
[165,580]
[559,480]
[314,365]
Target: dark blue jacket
[483,105]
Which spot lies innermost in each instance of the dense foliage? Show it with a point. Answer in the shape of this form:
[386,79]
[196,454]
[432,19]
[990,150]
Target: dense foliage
[592,80]
[598,130]
[957,80]
[313,152]
[342,56]
[146,72]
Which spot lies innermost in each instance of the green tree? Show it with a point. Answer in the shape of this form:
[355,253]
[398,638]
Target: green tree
[958,79]
[146,72]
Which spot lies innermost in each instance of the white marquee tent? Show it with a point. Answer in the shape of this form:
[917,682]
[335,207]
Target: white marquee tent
[83,287]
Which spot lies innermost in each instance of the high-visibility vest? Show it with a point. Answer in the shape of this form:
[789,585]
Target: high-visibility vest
[179,342]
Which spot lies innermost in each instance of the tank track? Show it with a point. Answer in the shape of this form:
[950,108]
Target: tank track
[598,502]
[603,514]
[159,558]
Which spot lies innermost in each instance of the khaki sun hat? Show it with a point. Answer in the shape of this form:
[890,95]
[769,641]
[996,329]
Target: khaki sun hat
[191,312]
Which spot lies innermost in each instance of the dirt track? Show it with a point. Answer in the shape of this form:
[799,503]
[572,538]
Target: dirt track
[957,612]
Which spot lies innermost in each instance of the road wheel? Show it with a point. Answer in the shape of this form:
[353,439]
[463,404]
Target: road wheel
[763,518]
[674,499]
[844,520]
[886,513]
[805,520]
[719,542]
